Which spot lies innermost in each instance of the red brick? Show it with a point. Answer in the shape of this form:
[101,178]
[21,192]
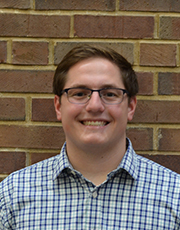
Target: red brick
[145,80]
[157,54]
[25,25]
[170,27]
[113,26]
[40,137]
[169,161]
[125,49]
[150,5]
[12,161]
[12,109]
[43,110]
[30,53]
[26,81]
[13,25]
[142,139]
[36,157]
[18,4]
[169,139]
[49,26]
[157,112]
[169,83]
[3,52]
[106,5]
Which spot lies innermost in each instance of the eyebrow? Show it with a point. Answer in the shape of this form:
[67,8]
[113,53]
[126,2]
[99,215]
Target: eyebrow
[102,87]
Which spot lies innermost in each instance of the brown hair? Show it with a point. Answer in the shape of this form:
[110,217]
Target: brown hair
[83,52]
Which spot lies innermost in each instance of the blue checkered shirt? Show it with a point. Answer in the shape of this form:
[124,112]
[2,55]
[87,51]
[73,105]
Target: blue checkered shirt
[51,195]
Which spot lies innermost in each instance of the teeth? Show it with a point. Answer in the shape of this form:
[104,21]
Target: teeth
[94,123]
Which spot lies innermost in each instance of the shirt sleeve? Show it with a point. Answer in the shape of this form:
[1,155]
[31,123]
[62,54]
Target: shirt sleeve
[5,211]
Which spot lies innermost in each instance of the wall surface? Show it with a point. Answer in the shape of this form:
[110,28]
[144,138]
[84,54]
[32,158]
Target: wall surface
[35,35]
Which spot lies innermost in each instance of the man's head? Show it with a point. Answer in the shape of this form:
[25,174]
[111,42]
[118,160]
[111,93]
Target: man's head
[95,92]
[84,52]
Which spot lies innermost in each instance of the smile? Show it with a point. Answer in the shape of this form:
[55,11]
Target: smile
[94,123]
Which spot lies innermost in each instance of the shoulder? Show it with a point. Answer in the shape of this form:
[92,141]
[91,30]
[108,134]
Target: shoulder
[29,176]
[148,171]
[156,174]
[25,182]
[149,164]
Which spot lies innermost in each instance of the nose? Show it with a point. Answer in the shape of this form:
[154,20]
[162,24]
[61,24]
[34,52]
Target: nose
[95,103]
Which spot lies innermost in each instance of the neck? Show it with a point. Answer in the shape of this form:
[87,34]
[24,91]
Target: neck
[95,163]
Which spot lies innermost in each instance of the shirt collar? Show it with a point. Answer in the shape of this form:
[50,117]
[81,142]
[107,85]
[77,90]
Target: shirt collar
[128,163]
[61,163]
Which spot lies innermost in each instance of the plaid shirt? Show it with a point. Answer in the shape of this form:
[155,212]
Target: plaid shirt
[51,195]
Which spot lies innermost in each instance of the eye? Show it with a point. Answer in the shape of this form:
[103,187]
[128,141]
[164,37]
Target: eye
[110,93]
[79,93]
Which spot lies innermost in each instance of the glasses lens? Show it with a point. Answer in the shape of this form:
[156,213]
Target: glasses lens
[112,96]
[78,95]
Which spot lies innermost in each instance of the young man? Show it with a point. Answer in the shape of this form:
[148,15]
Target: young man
[97,181]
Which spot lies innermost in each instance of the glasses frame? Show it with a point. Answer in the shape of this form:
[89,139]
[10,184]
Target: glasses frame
[94,90]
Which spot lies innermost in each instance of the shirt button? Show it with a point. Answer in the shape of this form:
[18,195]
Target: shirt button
[94,194]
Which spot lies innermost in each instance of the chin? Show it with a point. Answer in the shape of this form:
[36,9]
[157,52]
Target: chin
[93,141]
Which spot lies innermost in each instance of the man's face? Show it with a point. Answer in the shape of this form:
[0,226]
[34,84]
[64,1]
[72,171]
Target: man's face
[94,124]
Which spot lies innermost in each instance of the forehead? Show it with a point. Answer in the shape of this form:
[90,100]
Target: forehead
[94,71]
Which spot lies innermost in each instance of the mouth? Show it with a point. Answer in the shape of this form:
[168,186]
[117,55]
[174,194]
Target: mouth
[94,123]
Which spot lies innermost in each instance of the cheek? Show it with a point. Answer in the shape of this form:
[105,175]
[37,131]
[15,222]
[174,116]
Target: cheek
[117,113]
[69,114]
[120,117]
[66,121]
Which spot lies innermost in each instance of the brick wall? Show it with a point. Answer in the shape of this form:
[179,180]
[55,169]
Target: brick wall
[35,35]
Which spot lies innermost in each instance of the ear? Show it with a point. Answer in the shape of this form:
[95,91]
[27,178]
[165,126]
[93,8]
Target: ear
[132,107]
[57,106]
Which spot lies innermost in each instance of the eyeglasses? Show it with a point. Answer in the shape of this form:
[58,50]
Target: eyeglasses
[110,96]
